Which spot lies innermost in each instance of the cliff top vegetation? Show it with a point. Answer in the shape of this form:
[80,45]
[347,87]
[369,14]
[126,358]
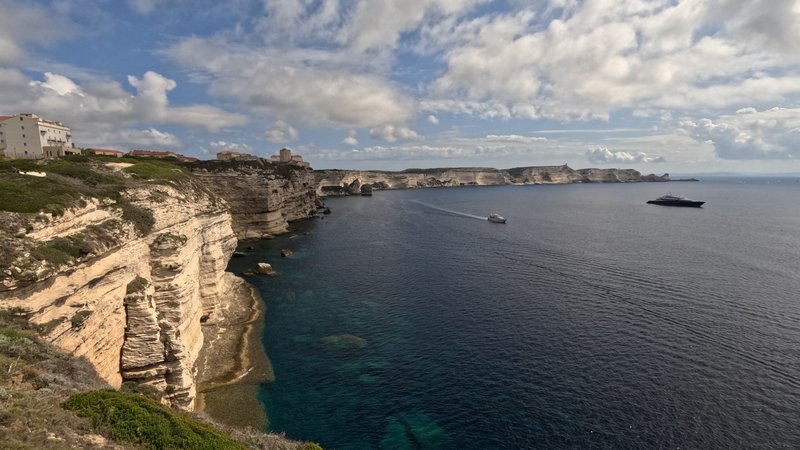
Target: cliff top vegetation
[72,177]
[47,189]
[243,165]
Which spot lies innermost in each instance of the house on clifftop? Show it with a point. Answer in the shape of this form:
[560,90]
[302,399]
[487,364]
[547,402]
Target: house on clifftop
[28,136]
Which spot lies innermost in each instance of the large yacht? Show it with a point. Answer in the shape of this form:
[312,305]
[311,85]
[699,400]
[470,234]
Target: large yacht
[675,200]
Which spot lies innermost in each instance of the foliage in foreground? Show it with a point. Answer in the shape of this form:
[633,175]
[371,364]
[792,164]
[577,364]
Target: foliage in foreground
[36,379]
[140,420]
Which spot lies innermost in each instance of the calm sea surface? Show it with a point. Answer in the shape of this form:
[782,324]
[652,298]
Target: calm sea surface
[590,320]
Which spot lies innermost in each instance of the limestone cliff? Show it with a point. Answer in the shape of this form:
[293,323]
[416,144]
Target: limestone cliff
[124,283]
[340,182]
[264,196]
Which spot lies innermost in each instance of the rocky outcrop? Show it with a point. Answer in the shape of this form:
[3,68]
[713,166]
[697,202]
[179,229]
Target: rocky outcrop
[264,196]
[340,182]
[127,287]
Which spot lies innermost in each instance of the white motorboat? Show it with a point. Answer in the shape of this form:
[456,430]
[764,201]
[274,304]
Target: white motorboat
[496,218]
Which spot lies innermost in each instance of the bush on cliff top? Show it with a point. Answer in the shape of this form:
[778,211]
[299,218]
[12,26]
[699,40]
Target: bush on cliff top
[138,284]
[140,420]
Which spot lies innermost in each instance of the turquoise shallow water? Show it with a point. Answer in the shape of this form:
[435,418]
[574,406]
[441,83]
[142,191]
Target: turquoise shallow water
[590,320]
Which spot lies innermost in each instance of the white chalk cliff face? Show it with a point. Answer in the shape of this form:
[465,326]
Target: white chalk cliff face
[133,303]
[338,182]
[264,197]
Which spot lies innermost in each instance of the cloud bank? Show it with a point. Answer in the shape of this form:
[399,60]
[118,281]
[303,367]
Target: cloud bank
[603,155]
[751,134]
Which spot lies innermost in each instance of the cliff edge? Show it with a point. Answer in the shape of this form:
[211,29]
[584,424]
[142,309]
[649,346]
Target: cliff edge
[263,196]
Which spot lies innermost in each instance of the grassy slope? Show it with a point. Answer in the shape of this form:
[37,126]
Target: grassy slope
[70,178]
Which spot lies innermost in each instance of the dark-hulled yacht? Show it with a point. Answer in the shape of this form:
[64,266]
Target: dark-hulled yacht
[675,200]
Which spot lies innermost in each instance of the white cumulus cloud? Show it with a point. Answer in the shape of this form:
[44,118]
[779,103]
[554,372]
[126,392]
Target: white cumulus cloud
[351,139]
[391,133]
[281,132]
[232,146]
[149,138]
[597,57]
[25,22]
[287,84]
[514,138]
[750,134]
[603,155]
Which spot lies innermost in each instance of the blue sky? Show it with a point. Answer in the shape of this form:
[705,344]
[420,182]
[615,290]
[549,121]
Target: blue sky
[655,85]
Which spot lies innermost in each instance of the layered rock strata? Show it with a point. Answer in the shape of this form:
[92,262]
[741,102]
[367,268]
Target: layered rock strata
[343,182]
[131,302]
[264,196]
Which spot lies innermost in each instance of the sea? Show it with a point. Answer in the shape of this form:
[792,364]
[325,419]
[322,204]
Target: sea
[591,319]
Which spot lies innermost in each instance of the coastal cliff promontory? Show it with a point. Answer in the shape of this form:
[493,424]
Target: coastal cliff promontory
[342,182]
[120,267]
[263,197]
[122,261]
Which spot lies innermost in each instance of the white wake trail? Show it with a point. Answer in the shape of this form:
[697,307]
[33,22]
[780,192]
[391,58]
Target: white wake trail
[457,213]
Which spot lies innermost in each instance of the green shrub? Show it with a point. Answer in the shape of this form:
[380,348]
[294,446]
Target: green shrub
[132,387]
[57,251]
[137,285]
[12,335]
[31,194]
[80,318]
[140,420]
[141,218]
[13,165]
[76,167]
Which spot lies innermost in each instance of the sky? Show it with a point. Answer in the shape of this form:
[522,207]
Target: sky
[661,86]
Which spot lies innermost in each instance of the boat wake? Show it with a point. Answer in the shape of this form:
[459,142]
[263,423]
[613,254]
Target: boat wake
[457,213]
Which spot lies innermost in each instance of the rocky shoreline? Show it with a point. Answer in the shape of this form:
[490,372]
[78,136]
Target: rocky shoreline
[233,361]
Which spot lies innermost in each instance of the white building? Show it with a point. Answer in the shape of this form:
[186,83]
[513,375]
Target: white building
[28,136]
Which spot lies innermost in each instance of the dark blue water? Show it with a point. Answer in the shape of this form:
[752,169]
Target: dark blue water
[590,320]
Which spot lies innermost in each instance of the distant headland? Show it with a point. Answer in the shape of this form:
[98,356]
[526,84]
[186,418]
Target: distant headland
[349,182]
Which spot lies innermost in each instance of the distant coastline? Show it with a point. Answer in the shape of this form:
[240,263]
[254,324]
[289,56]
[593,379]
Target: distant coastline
[333,182]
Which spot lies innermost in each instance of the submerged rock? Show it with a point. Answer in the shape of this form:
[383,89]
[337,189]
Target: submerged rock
[286,253]
[343,341]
